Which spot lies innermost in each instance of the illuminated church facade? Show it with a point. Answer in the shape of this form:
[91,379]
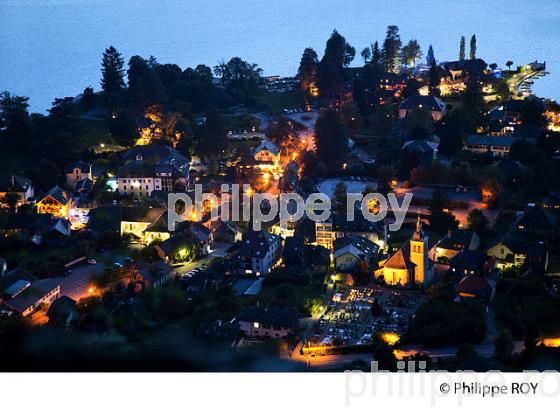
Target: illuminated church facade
[410,265]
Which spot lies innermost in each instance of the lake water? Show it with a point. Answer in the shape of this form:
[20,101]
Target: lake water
[52,48]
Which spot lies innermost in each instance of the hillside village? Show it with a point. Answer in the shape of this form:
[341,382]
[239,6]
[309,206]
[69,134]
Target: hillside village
[471,280]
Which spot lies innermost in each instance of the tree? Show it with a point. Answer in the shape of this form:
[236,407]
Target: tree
[44,176]
[440,219]
[11,200]
[383,120]
[360,97]
[474,104]
[15,123]
[532,112]
[241,79]
[375,54]
[330,73]
[491,191]
[434,80]
[339,198]
[430,58]
[124,128]
[282,133]
[144,84]
[438,202]
[418,124]
[452,129]
[376,308]
[411,53]
[384,178]
[211,137]
[462,49]
[529,345]
[307,72]
[503,345]
[473,47]
[366,54]
[391,50]
[112,80]
[509,63]
[477,222]
[330,138]
[195,89]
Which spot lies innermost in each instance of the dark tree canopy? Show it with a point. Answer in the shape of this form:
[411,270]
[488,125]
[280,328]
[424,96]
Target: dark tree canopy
[241,79]
[307,72]
[330,138]
[144,84]
[430,58]
[391,50]
[330,73]
[211,136]
[112,80]
[473,47]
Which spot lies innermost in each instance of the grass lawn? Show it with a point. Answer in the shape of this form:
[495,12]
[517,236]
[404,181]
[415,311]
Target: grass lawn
[279,101]
[96,132]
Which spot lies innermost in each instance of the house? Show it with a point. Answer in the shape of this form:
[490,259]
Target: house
[23,293]
[138,179]
[290,178]
[357,160]
[219,332]
[471,262]
[190,241]
[257,252]
[104,219]
[79,212]
[461,70]
[267,151]
[537,220]
[485,144]
[84,186]
[476,287]
[337,226]
[454,242]
[434,105]
[513,251]
[49,226]
[56,202]
[76,172]
[157,230]
[425,150]
[273,323]
[20,186]
[135,220]
[156,154]
[410,265]
[225,232]
[62,313]
[351,249]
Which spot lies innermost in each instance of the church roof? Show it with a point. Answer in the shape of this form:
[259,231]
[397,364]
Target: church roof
[400,259]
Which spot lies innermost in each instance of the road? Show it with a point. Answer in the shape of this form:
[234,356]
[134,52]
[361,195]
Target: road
[324,362]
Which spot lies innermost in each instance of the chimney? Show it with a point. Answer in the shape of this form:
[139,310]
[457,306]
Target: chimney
[449,231]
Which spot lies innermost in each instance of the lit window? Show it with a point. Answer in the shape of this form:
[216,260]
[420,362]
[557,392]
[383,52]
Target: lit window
[256,325]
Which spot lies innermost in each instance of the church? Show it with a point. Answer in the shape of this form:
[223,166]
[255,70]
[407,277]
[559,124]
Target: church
[410,265]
